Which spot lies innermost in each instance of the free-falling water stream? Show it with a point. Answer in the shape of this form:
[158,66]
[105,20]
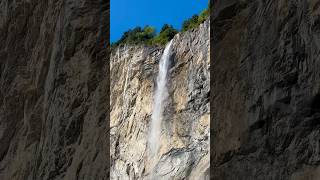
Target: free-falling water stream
[160,96]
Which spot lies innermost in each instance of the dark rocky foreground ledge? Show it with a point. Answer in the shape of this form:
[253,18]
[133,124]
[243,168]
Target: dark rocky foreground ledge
[53,90]
[265,86]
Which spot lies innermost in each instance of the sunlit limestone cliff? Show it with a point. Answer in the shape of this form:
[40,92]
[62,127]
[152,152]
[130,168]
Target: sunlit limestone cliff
[185,130]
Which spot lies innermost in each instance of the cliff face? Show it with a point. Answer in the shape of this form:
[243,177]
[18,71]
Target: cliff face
[184,142]
[54,97]
[53,90]
[266,89]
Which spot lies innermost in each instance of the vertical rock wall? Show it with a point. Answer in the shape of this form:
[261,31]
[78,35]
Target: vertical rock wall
[53,90]
[266,89]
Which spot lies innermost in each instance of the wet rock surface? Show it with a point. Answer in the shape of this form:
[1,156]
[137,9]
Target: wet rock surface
[184,142]
[266,86]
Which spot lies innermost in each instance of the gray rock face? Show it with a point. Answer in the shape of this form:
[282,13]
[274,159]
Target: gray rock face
[266,90]
[184,142]
[53,95]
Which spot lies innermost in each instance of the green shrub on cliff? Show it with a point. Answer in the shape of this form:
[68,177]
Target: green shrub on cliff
[195,20]
[166,34]
[203,16]
[147,35]
[137,36]
[190,23]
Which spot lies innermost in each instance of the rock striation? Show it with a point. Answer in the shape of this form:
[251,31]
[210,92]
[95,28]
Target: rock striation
[265,86]
[53,90]
[184,143]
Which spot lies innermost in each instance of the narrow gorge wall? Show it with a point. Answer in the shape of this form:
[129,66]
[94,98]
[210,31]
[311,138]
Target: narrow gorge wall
[184,143]
[265,85]
[53,90]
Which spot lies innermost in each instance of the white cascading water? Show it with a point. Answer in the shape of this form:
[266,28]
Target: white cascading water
[161,93]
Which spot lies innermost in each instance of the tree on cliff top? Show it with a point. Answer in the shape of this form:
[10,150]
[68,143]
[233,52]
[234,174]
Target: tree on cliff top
[137,35]
[148,35]
[195,20]
[166,34]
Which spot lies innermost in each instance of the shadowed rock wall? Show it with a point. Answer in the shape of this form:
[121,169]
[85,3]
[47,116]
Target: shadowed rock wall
[266,89]
[53,90]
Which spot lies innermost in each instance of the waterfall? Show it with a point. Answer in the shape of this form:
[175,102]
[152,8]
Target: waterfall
[161,93]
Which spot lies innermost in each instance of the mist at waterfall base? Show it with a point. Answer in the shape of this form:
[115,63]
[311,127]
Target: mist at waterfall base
[160,95]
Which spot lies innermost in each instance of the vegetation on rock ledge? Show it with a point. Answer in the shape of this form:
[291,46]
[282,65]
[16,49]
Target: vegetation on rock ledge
[195,20]
[148,35]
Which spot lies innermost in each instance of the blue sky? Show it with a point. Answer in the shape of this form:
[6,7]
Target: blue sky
[127,14]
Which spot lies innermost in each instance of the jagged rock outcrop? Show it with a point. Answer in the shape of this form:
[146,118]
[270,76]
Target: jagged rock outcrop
[184,144]
[53,90]
[265,86]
